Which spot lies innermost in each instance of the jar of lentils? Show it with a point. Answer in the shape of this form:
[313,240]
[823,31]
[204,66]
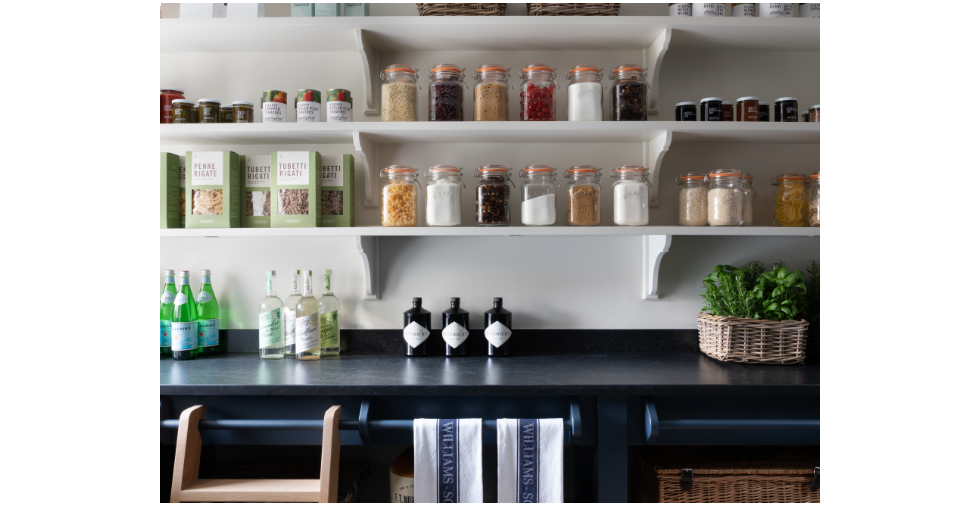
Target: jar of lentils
[693,208]
[490,92]
[629,93]
[399,91]
[538,93]
[493,196]
[584,191]
[725,198]
[446,92]
[399,197]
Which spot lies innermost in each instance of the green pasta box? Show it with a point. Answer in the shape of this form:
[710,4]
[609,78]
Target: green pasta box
[183,192]
[256,191]
[295,189]
[326,10]
[169,190]
[301,10]
[356,9]
[212,198]
[337,191]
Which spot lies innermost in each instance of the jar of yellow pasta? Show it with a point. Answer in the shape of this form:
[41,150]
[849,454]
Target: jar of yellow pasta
[399,196]
[789,205]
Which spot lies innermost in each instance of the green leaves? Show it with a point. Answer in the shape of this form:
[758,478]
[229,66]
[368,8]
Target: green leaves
[751,292]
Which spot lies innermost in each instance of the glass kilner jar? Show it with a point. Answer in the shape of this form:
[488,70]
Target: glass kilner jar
[748,200]
[399,92]
[538,93]
[446,92]
[725,198]
[789,204]
[493,195]
[629,93]
[490,92]
[584,191]
[538,195]
[631,196]
[693,200]
[813,199]
[399,197]
[584,93]
[442,196]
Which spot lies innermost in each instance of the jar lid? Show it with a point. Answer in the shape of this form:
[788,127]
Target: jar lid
[538,66]
[226,107]
[747,98]
[447,68]
[443,168]
[690,177]
[398,168]
[585,69]
[240,102]
[167,88]
[492,68]
[492,169]
[209,100]
[629,67]
[629,168]
[720,171]
[582,169]
[815,174]
[397,67]
[538,168]
[789,177]
[719,175]
[815,106]
[783,99]
[711,99]
[684,103]
[182,101]
[727,103]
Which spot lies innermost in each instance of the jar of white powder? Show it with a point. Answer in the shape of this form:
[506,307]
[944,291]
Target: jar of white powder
[693,208]
[442,196]
[538,195]
[585,93]
[631,196]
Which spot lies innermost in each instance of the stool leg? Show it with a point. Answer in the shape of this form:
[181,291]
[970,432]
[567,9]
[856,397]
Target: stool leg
[330,458]
[188,460]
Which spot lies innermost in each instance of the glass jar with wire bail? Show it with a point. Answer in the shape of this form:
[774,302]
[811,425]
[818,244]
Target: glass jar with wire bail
[493,195]
[399,197]
[693,200]
[446,92]
[443,195]
[748,202]
[629,93]
[538,93]
[584,192]
[789,204]
[813,199]
[584,93]
[631,196]
[725,198]
[399,93]
[538,195]
[491,82]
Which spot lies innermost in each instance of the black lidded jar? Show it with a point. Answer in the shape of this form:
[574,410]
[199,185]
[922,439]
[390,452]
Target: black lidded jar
[763,112]
[686,111]
[418,327]
[497,329]
[711,109]
[455,328]
[786,110]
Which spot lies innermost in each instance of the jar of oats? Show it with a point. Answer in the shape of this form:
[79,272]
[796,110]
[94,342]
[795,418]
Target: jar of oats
[693,208]
[399,91]
[584,195]
[399,196]
[725,198]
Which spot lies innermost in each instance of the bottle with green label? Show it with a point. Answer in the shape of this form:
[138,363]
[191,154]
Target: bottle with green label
[207,317]
[183,325]
[329,323]
[307,313]
[167,311]
[289,315]
[271,345]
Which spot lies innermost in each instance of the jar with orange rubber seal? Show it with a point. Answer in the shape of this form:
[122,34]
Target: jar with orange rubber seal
[399,198]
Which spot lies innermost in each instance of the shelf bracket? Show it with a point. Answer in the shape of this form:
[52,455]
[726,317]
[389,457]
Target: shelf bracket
[654,58]
[369,63]
[654,247]
[653,156]
[368,247]
[367,148]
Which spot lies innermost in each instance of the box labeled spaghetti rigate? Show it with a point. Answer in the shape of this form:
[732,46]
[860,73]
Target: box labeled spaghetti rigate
[295,189]
[169,190]
[212,197]
[337,191]
[256,191]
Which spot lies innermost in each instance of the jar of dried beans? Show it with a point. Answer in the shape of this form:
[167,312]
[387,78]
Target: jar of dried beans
[490,92]
[725,198]
[584,93]
[693,208]
[399,90]
[789,205]
[748,204]
[446,93]
[538,93]
[631,196]
[442,196]
[629,93]
[584,191]
[493,195]
[813,199]
[538,195]
[399,196]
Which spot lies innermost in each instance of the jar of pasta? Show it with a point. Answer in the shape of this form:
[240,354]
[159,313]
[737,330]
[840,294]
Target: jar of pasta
[584,195]
[725,198]
[493,195]
[748,202]
[399,196]
[490,92]
[789,205]
[813,199]
[693,201]
[398,93]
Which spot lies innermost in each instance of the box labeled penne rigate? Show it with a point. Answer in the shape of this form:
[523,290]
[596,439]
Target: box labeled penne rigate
[212,195]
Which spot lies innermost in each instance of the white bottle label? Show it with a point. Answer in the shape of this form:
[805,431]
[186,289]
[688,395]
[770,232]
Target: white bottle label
[183,336]
[339,111]
[307,333]
[273,112]
[270,331]
[203,297]
[307,112]
[497,333]
[776,10]
[290,326]
[166,298]
[455,334]
[679,10]
[180,299]
[415,334]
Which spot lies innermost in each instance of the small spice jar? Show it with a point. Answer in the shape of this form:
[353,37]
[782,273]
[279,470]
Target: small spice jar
[538,194]
[813,199]
[399,196]
[538,92]
[748,204]
[490,92]
[789,205]
[273,106]
[584,195]
[815,113]
[442,196]
[307,106]
[227,116]
[167,97]
[764,111]
[631,196]
[711,109]
[725,198]
[727,111]
[584,93]
[183,111]
[399,92]
[786,110]
[805,116]
[686,111]
[747,109]
[340,106]
[242,111]
[446,92]
[208,110]
[693,201]
[493,196]
[629,93]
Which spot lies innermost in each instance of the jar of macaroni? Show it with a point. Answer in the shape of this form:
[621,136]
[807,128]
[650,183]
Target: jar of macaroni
[399,197]
[789,204]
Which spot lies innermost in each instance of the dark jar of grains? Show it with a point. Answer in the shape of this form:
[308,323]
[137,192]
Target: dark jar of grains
[493,195]
[446,93]
[629,93]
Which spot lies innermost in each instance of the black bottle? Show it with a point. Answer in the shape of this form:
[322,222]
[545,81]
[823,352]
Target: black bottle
[455,328]
[497,329]
[421,331]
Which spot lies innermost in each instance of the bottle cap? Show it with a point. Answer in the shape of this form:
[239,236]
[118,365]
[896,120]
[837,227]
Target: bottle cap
[417,300]
[185,274]
[784,99]
[205,272]
[454,300]
[271,273]
[168,272]
[498,300]
[711,99]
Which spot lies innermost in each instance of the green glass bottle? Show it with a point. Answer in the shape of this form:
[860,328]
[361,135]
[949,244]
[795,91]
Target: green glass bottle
[167,311]
[207,317]
[329,322]
[183,325]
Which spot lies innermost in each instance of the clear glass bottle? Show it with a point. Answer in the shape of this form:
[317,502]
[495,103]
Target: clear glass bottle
[271,345]
[813,199]
[455,328]
[584,192]
[446,92]
[497,326]
[166,311]
[538,93]
[418,328]
[207,317]
[399,93]
[538,194]
[399,198]
[748,204]
[585,92]
[629,93]
[493,196]
[789,204]
[329,319]
[724,198]
[693,200]
[490,88]
[289,335]
[631,196]
[443,195]
[183,326]
[307,322]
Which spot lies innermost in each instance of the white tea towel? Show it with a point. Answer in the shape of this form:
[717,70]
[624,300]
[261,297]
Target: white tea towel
[448,460]
[529,459]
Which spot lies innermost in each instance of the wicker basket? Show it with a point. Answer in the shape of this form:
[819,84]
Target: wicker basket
[461,9]
[752,341]
[572,9]
[733,475]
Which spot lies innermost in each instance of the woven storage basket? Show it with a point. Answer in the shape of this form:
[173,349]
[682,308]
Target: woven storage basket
[751,341]
[572,9]
[461,9]
[729,476]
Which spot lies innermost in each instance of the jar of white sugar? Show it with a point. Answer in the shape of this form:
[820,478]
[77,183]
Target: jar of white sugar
[693,209]
[585,93]
[631,196]
[442,196]
[725,198]
[538,195]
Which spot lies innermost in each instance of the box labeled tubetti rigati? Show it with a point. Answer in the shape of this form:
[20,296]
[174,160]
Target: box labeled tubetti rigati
[256,191]
[337,191]
[295,189]
[212,197]
[169,190]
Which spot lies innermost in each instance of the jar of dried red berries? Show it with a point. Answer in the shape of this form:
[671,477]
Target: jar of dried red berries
[629,93]
[538,93]
[446,93]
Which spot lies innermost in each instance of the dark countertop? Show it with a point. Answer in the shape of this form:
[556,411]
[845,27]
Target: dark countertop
[559,374]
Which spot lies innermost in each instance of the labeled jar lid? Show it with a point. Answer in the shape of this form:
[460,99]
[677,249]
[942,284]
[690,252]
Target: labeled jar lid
[446,70]
[182,101]
[240,102]
[167,88]
[684,103]
[690,179]
[747,98]
[789,178]
[630,70]
[784,99]
[711,99]
[209,101]
[585,70]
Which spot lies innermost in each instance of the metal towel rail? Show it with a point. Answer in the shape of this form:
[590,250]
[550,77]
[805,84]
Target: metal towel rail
[653,424]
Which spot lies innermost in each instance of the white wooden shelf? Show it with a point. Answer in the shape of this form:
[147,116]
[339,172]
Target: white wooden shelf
[514,230]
